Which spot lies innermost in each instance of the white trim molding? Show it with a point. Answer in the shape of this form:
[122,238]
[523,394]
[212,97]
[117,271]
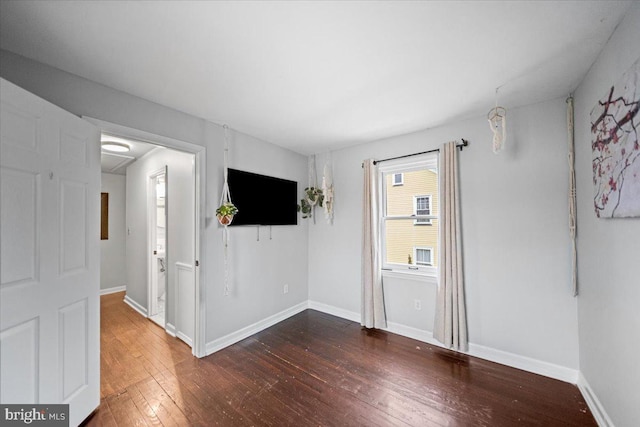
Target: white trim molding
[113,290]
[184,338]
[170,329]
[239,335]
[335,311]
[200,165]
[528,364]
[411,332]
[493,355]
[597,409]
[137,307]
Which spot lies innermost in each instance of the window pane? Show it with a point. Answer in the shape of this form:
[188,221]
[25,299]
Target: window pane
[422,205]
[410,242]
[400,198]
[402,236]
[423,256]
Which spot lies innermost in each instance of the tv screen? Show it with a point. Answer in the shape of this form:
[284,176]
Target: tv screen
[263,200]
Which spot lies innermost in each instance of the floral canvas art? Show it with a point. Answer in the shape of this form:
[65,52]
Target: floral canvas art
[615,123]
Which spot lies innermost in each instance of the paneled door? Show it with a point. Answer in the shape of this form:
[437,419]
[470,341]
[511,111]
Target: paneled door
[50,259]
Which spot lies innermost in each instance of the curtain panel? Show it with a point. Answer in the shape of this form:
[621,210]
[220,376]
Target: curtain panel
[372,300]
[450,326]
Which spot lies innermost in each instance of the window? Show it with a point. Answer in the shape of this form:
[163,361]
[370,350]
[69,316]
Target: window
[406,247]
[422,206]
[423,256]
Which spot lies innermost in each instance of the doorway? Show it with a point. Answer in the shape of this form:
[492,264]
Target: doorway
[186,271]
[158,240]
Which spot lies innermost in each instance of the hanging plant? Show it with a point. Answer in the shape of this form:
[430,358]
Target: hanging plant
[225,213]
[312,196]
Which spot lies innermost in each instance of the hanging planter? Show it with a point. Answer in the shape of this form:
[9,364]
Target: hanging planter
[226,212]
[312,196]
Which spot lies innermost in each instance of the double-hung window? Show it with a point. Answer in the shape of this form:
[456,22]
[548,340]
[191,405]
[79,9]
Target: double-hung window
[406,244]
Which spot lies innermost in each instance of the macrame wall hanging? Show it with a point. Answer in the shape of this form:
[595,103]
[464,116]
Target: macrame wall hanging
[312,194]
[497,118]
[572,196]
[226,211]
[327,190]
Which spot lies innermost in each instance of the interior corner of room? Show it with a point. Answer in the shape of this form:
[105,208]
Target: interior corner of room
[210,285]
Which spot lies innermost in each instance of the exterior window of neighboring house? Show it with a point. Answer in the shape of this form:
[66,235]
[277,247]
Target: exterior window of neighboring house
[423,256]
[422,206]
[405,247]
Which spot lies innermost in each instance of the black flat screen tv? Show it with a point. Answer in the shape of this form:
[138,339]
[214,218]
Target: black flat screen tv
[263,200]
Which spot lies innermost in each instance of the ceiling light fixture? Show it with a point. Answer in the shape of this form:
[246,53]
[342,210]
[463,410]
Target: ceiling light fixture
[118,147]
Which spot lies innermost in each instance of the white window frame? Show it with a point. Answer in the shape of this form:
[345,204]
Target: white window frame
[422,248]
[422,221]
[425,161]
[393,179]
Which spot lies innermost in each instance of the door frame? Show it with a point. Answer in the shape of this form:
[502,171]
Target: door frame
[152,259]
[200,156]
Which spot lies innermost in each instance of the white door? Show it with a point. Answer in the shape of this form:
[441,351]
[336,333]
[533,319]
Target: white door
[50,259]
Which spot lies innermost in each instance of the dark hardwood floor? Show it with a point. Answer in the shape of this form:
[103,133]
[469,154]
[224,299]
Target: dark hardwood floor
[314,370]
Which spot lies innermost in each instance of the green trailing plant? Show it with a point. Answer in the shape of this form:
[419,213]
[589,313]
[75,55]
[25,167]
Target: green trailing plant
[312,196]
[225,213]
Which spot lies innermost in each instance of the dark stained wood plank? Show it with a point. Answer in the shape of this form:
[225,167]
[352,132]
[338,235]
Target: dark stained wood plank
[314,369]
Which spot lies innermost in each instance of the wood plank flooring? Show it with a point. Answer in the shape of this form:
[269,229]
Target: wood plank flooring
[314,370]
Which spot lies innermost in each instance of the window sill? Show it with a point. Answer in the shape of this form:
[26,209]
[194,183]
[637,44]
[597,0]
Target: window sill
[418,277]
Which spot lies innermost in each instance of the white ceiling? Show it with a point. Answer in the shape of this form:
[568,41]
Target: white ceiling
[117,163]
[315,76]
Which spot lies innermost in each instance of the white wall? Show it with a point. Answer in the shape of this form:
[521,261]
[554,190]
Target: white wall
[608,252]
[515,237]
[258,269]
[267,264]
[112,251]
[180,245]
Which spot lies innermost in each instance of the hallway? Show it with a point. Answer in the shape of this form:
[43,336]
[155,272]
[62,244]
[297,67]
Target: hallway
[137,360]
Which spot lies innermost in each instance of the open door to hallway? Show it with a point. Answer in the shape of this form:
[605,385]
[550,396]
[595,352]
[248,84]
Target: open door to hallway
[50,266]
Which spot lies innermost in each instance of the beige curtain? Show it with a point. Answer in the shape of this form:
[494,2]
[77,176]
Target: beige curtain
[450,326]
[372,301]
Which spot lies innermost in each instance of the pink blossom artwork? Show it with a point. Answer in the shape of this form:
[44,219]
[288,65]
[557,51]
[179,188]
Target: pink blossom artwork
[615,123]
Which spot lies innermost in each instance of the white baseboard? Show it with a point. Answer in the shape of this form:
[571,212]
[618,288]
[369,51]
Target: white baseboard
[137,307]
[601,416]
[170,329]
[234,337]
[113,290]
[411,332]
[528,364]
[334,311]
[498,356]
[185,338]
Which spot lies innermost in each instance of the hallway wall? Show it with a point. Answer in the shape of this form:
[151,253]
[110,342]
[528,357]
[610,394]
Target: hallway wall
[180,204]
[112,251]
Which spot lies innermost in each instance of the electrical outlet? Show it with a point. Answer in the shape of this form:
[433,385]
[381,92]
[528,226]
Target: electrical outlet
[417,304]
[285,289]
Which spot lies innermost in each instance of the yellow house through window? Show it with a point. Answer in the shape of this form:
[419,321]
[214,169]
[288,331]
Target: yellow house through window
[409,215]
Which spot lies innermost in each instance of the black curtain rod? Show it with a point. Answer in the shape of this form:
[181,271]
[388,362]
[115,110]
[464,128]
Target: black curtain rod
[460,146]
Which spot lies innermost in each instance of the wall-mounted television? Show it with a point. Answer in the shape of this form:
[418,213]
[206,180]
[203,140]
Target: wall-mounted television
[263,200]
